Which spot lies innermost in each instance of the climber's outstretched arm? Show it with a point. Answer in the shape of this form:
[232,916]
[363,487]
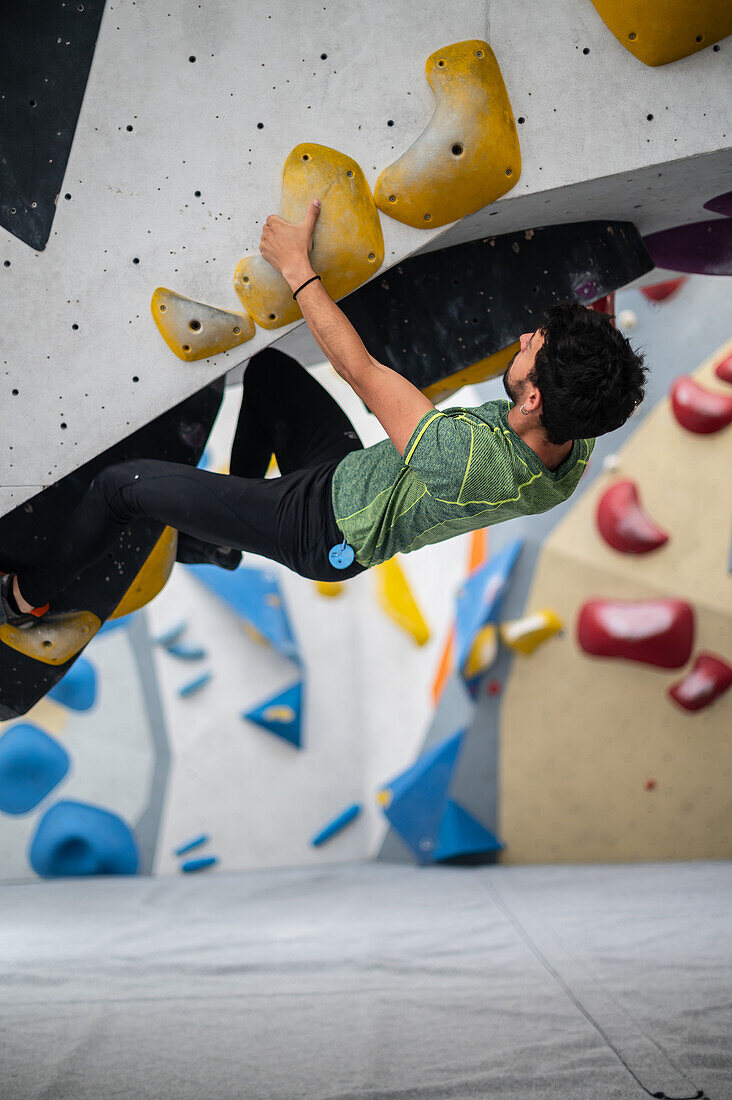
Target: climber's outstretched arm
[398,405]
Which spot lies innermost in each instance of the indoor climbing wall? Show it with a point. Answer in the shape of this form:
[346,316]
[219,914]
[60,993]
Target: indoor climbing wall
[128,183]
[622,748]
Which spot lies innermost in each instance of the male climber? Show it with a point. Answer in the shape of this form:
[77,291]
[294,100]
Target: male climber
[339,508]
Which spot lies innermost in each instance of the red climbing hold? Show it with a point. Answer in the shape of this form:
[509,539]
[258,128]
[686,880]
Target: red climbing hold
[706,681]
[650,784]
[658,292]
[654,632]
[723,370]
[698,409]
[622,522]
[606,305]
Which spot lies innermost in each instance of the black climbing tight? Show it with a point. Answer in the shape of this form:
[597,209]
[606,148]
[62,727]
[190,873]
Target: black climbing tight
[289,519]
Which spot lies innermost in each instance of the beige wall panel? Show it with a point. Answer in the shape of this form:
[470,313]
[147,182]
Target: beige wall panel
[580,734]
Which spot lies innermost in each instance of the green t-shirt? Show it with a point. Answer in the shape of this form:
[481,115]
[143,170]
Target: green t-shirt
[462,469]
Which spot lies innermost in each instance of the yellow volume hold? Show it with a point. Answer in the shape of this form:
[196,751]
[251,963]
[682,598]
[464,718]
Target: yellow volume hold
[468,154]
[152,577]
[527,634]
[348,245]
[658,34]
[197,331]
[395,596]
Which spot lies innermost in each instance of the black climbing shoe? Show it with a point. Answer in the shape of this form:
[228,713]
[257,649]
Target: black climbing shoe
[8,613]
[193,551]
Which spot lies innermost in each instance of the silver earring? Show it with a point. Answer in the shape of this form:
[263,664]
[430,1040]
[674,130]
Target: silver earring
[523,410]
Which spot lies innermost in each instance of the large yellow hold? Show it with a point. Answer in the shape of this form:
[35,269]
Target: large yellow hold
[153,575]
[395,596]
[348,245]
[467,155]
[660,32]
[194,330]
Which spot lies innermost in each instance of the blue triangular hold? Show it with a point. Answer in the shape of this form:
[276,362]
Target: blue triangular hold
[461,834]
[282,714]
[255,595]
[418,797]
[78,689]
[479,598]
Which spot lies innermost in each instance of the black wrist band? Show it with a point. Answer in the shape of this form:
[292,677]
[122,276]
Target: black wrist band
[305,284]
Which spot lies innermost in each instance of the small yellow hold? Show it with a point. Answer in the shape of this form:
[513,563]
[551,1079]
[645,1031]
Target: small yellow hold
[659,33]
[153,575]
[483,652]
[348,245]
[395,596]
[384,798]
[280,712]
[194,330]
[329,588]
[54,641]
[468,155]
[525,635]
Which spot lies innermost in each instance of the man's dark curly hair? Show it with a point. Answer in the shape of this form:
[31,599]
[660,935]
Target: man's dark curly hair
[589,376]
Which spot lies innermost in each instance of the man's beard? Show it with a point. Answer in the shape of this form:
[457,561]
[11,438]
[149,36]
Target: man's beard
[510,390]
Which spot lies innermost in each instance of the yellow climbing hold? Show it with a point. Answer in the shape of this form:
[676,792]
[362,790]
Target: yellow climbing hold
[152,577]
[329,588]
[483,652]
[658,33]
[467,155]
[348,245]
[384,798]
[525,635]
[395,596]
[53,640]
[196,331]
[483,369]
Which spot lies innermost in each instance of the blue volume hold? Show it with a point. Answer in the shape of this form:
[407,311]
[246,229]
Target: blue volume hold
[78,689]
[336,824]
[74,838]
[191,844]
[254,595]
[198,864]
[31,765]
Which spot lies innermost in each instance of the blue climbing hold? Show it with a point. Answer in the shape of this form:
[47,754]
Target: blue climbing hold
[78,689]
[480,596]
[191,844]
[461,834]
[31,764]
[414,802]
[186,652]
[282,714]
[75,838]
[336,824]
[171,635]
[254,595]
[194,685]
[198,864]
